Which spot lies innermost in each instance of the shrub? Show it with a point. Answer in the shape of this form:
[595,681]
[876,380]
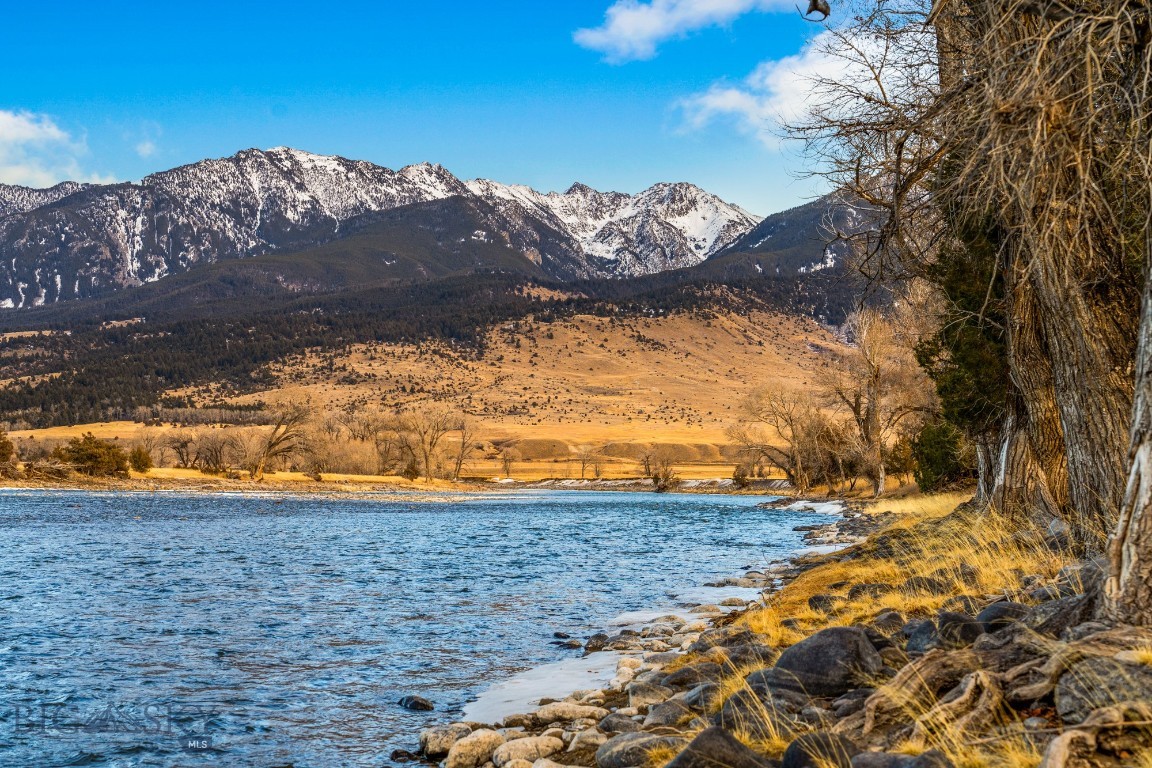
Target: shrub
[942,457]
[140,459]
[97,458]
[740,476]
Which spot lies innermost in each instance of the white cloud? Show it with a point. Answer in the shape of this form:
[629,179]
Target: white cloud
[633,29]
[146,148]
[775,94]
[36,152]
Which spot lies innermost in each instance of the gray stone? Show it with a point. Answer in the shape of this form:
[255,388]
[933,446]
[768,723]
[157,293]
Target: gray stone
[958,630]
[1100,682]
[1055,616]
[757,713]
[859,591]
[832,662]
[968,604]
[933,758]
[564,711]
[435,742]
[824,603]
[922,637]
[751,654]
[631,749]
[531,748]
[670,714]
[888,621]
[616,723]
[1000,615]
[591,738]
[693,674]
[642,694]
[417,704]
[474,750]
[717,747]
[819,750]
[703,697]
[723,637]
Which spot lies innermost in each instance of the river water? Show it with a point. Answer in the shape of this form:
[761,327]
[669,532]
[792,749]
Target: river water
[149,629]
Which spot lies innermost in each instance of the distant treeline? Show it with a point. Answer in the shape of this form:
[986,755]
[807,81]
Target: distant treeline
[95,371]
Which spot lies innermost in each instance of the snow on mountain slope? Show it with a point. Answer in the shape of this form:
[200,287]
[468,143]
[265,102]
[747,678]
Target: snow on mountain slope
[667,226]
[74,240]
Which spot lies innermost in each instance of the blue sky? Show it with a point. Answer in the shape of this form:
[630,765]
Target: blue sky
[618,95]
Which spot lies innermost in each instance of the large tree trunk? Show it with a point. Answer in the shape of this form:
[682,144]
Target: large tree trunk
[1089,330]
[1129,585]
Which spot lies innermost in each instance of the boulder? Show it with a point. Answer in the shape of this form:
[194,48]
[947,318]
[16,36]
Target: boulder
[860,591]
[958,630]
[757,713]
[888,621]
[824,603]
[750,654]
[692,675]
[474,750]
[435,742]
[417,704]
[922,637]
[832,662]
[531,748]
[669,714]
[591,738]
[1099,682]
[933,758]
[617,723]
[1055,616]
[819,750]
[714,747]
[566,711]
[631,749]
[646,694]
[723,637]
[1001,615]
[703,697]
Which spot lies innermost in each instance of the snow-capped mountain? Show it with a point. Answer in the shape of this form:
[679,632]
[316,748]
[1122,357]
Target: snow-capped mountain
[73,240]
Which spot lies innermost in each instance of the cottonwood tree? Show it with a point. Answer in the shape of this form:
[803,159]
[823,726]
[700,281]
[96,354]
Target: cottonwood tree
[467,430]
[286,437]
[797,431]
[421,432]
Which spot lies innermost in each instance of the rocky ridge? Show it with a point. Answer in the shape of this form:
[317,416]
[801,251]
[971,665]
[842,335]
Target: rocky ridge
[73,240]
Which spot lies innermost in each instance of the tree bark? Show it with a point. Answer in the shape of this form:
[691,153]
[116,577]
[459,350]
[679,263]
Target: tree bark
[1129,586]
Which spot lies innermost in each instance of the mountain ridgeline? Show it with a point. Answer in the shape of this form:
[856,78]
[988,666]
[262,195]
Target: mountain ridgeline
[215,271]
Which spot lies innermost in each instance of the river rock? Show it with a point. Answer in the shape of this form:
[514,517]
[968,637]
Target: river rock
[474,750]
[722,636]
[618,723]
[566,711]
[1055,616]
[692,675]
[632,749]
[922,637]
[750,654]
[714,747]
[669,714]
[591,738]
[531,748]
[435,742]
[1099,682]
[703,697]
[646,694]
[859,591]
[832,662]
[958,630]
[518,764]
[1001,615]
[933,758]
[819,750]
[888,621]
[757,713]
[417,704]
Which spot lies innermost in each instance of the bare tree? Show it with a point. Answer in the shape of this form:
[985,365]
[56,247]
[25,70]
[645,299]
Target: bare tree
[285,438]
[467,429]
[421,432]
[182,442]
[586,457]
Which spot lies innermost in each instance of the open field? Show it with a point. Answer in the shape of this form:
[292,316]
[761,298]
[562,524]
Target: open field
[616,388]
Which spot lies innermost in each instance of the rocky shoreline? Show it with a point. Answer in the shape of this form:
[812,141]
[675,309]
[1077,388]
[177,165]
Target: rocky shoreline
[1030,668]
